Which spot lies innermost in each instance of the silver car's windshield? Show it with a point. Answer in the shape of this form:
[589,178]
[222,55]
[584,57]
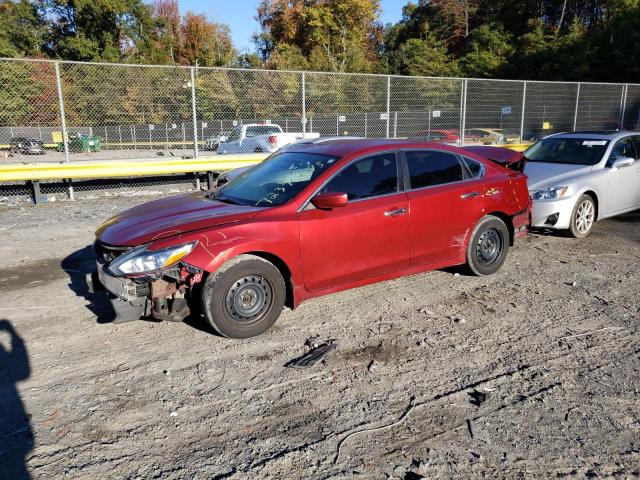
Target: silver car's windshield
[274,181]
[573,151]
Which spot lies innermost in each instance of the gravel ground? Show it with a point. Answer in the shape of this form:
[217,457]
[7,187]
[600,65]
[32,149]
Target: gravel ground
[532,372]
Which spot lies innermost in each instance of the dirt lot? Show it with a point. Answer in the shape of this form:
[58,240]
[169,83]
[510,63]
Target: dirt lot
[532,372]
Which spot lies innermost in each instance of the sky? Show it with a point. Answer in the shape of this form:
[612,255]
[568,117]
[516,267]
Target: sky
[239,15]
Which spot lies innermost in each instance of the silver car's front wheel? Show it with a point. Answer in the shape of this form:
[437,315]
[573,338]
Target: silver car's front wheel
[583,217]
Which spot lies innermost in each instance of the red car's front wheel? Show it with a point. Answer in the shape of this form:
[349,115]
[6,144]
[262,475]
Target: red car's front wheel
[244,298]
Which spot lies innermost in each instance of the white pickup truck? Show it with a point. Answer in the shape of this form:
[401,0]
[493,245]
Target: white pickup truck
[254,138]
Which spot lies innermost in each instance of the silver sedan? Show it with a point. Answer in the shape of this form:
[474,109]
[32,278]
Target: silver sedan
[576,179]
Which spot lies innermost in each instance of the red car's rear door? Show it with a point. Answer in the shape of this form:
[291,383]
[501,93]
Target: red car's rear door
[446,200]
[367,237]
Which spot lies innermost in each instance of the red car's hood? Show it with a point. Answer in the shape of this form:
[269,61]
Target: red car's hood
[169,216]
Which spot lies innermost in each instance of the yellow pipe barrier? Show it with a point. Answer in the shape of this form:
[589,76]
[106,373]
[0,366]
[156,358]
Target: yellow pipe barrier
[110,169]
[6,146]
[518,147]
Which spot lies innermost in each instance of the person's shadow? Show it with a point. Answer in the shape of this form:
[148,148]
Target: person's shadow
[16,436]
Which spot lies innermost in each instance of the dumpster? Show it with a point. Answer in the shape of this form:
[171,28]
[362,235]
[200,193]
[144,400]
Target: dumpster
[82,143]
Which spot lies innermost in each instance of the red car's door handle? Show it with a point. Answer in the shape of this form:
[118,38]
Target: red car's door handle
[395,212]
[469,195]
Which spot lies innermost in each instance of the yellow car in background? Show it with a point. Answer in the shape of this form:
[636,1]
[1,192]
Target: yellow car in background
[490,136]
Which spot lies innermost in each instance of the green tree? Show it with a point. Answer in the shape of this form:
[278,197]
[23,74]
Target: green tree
[489,52]
[426,57]
[22,29]
[614,46]
[106,30]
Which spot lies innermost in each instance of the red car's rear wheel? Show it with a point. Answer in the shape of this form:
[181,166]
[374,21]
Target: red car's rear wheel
[488,246]
[244,297]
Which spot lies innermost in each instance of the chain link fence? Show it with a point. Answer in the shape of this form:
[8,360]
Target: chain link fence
[54,111]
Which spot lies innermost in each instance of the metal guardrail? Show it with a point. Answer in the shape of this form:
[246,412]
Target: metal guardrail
[110,169]
[33,174]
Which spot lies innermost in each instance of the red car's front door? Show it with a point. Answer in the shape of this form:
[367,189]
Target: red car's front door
[367,237]
[446,200]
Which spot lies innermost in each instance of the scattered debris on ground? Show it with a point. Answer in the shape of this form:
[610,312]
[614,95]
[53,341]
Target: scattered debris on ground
[317,354]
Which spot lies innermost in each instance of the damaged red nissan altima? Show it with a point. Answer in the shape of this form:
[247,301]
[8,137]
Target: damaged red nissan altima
[309,221]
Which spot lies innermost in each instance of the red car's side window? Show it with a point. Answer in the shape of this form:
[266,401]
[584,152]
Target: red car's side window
[370,177]
[429,168]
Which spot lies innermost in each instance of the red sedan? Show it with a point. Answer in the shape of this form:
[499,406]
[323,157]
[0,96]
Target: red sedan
[440,136]
[310,221]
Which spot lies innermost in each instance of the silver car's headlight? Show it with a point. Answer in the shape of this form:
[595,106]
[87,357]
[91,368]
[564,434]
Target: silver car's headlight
[142,260]
[550,193]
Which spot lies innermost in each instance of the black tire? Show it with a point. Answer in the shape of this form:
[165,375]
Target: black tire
[576,228]
[257,150]
[488,246]
[244,298]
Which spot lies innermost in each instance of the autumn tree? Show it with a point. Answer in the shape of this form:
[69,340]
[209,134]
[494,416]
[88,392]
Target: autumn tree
[338,35]
[205,43]
[169,27]
[456,20]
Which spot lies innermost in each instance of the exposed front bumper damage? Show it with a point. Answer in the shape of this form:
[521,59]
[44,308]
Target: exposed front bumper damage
[161,295]
[128,299]
[552,213]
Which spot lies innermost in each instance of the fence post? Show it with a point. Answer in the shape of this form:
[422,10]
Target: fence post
[388,102]
[63,121]
[303,80]
[395,124]
[575,113]
[463,109]
[524,102]
[193,108]
[623,105]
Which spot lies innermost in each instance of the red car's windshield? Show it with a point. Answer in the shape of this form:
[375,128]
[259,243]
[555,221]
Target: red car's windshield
[276,180]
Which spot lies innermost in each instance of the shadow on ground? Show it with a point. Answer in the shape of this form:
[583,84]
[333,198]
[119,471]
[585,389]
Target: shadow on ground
[78,265]
[627,217]
[16,436]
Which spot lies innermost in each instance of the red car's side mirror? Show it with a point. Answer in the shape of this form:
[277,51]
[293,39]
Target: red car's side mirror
[329,200]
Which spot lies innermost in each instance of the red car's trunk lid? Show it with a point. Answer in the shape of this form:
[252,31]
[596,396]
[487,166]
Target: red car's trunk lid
[504,156]
[168,217]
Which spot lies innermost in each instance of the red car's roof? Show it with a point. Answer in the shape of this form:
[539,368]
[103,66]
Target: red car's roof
[340,148]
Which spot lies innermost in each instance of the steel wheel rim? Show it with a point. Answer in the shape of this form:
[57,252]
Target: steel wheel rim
[249,298]
[585,216]
[489,246]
